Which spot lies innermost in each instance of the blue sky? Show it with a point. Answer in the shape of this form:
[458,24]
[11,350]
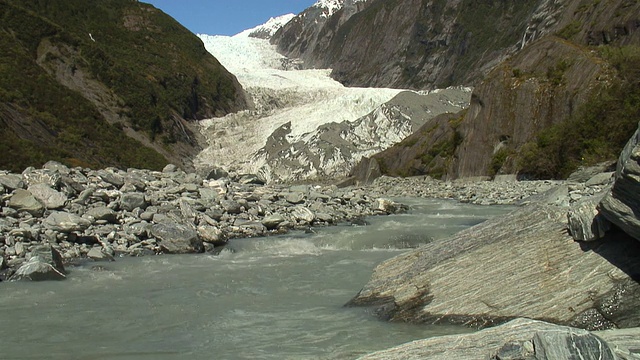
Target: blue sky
[227,17]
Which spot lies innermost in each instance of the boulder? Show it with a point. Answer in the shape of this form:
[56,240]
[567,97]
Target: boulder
[97,254]
[177,238]
[23,200]
[102,213]
[295,197]
[212,235]
[601,179]
[12,181]
[271,222]
[251,179]
[231,206]
[301,213]
[111,177]
[50,198]
[520,339]
[131,201]
[622,205]
[585,223]
[169,168]
[524,264]
[45,263]
[65,222]
[48,177]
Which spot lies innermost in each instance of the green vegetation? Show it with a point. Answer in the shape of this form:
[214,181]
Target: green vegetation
[569,31]
[156,69]
[598,132]
[498,160]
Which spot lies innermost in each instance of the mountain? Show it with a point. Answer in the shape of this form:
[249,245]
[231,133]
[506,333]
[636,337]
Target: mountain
[109,83]
[268,29]
[564,100]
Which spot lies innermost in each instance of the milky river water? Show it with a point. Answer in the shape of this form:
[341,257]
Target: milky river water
[269,298]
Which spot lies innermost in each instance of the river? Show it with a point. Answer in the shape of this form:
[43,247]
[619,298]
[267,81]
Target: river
[268,298]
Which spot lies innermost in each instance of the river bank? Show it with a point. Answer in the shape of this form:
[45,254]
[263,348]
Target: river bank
[102,214]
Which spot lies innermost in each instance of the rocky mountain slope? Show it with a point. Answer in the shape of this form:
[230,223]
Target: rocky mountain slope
[76,77]
[561,100]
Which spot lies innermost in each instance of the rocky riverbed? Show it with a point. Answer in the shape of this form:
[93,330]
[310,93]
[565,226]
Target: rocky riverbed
[55,215]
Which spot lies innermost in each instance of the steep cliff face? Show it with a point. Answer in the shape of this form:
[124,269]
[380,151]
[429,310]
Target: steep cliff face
[549,81]
[417,43]
[115,83]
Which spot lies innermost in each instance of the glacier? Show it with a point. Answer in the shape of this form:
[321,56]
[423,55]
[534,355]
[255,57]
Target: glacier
[304,125]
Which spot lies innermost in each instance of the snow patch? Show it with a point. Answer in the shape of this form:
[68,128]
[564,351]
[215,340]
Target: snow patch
[267,29]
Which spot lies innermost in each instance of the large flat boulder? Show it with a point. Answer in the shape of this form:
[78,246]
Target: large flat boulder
[23,200]
[518,339]
[521,265]
[177,238]
[622,205]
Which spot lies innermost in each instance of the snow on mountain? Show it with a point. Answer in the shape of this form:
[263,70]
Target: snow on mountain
[266,30]
[304,124]
[330,7]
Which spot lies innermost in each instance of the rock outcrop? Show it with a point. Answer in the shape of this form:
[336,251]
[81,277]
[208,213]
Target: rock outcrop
[520,339]
[521,265]
[622,205]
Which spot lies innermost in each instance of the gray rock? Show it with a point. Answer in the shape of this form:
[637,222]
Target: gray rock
[65,222]
[45,264]
[570,344]
[177,238]
[111,177]
[170,168]
[527,266]
[50,198]
[583,174]
[601,179]
[231,206]
[301,213]
[97,254]
[12,181]
[622,204]
[212,235]
[386,206]
[23,200]
[272,221]
[295,197]
[585,223]
[525,340]
[33,177]
[131,201]
[251,179]
[55,166]
[102,213]
[9,212]
[214,174]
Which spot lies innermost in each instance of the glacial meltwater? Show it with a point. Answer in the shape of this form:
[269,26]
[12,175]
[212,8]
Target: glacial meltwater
[267,298]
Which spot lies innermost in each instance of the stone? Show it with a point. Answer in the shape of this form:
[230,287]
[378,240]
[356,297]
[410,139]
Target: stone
[295,197]
[50,198]
[212,235]
[584,174]
[301,213]
[111,177]
[177,238]
[387,206]
[102,213]
[601,179]
[66,222]
[520,339]
[570,344]
[251,179]
[169,168]
[56,167]
[97,254]
[585,223]
[231,206]
[215,173]
[131,201]
[23,200]
[12,181]
[527,265]
[44,264]
[622,204]
[271,222]
[33,177]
